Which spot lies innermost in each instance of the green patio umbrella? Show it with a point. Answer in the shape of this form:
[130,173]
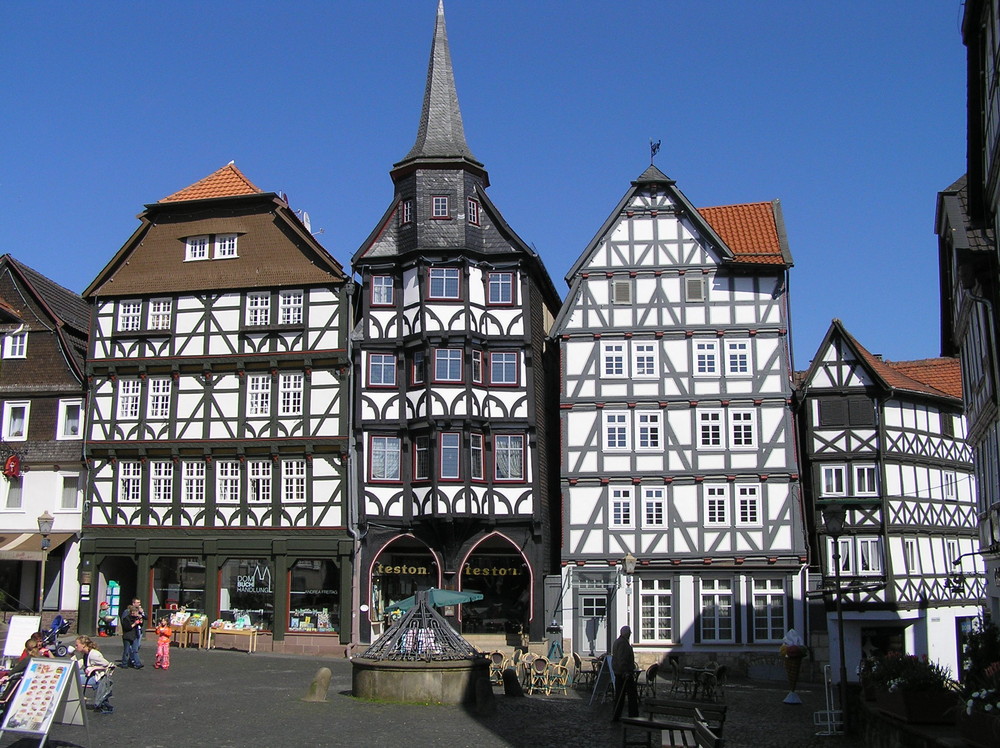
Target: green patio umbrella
[438,598]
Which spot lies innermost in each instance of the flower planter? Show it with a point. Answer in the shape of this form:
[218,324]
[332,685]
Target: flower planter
[919,707]
[979,729]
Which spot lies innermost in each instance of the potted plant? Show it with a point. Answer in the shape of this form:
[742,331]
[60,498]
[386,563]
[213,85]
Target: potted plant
[979,722]
[914,689]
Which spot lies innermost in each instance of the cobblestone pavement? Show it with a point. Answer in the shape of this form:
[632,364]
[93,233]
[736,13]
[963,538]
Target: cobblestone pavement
[227,699]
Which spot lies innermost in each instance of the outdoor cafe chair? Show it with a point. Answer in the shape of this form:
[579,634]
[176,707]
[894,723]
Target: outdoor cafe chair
[647,687]
[539,671]
[559,675]
[680,682]
[525,668]
[497,664]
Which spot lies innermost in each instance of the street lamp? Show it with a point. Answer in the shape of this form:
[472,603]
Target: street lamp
[834,518]
[629,565]
[45,521]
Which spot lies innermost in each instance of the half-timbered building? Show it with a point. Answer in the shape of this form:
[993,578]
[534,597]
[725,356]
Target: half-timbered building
[886,441]
[677,442]
[454,385]
[44,331]
[969,270]
[218,417]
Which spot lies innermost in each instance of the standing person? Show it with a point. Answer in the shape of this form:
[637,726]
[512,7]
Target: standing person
[163,636]
[137,604]
[131,630]
[623,663]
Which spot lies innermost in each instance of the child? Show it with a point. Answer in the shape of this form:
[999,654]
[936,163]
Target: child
[94,668]
[163,635]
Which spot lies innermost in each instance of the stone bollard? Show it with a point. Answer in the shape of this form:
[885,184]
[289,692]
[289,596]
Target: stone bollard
[511,685]
[486,705]
[319,686]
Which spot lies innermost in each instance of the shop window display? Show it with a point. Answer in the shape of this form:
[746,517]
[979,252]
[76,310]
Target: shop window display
[396,576]
[504,581]
[314,596]
[246,593]
[178,583]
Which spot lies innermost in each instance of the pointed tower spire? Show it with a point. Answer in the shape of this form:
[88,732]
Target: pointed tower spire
[440,135]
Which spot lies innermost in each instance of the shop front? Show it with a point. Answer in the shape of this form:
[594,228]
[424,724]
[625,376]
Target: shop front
[290,591]
[502,576]
[402,568]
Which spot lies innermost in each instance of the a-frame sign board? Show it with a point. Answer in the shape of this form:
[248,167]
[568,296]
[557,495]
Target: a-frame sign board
[49,693]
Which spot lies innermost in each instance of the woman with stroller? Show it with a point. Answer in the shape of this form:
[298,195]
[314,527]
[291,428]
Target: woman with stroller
[93,672]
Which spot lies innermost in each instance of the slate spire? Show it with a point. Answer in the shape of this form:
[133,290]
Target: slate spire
[440,136]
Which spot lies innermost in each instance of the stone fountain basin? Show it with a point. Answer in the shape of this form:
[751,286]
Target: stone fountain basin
[419,682]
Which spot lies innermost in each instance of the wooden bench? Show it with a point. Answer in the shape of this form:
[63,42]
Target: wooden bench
[653,734]
[683,712]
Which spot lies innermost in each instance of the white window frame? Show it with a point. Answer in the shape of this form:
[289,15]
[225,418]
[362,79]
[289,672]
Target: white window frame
[742,429]
[15,345]
[407,215]
[911,556]
[656,609]
[448,358]
[717,602]
[441,279]
[290,389]
[716,505]
[738,362]
[129,316]
[616,430]
[382,448]
[748,505]
[227,481]
[473,211]
[500,288]
[293,481]
[476,454]
[477,367]
[613,361]
[695,288]
[129,392]
[290,306]
[645,360]
[161,481]
[69,494]
[129,482]
[196,248]
[869,556]
[863,476]
[769,593]
[706,357]
[648,431]
[508,457]
[14,493]
[159,391]
[711,429]
[439,206]
[259,395]
[381,370]
[833,480]
[259,477]
[160,314]
[421,458]
[225,246]
[654,507]
[193,485]
[450,454]
[620,508]
[505,368]
[949,485]
[621,291]
[383,290]
[64,421]
[258,309]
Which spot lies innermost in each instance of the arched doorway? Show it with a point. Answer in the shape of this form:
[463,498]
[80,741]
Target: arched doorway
[497,569]
[402,567]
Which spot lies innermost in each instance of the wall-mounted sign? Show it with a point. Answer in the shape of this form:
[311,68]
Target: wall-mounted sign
[492,571]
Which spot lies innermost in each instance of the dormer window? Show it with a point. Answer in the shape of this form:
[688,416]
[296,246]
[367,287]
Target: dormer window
[196,248]
[439,206]
[16,346]
[225,246]
[129,316]
[407,216]
[473,211]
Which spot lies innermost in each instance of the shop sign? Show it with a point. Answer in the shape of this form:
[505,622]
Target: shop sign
[492,571]
[257,582]
[401,569]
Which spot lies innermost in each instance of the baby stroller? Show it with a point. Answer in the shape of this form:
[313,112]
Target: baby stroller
[59,626]
[99,684]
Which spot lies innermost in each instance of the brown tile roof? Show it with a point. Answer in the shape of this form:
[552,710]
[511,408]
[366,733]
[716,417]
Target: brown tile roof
[226,182]
[941,377]
[749,230]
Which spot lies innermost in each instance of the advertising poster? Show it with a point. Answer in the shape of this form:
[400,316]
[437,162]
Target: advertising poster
[38,696]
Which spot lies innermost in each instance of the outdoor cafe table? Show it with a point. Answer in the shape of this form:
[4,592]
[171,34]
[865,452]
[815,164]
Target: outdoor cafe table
[701,680]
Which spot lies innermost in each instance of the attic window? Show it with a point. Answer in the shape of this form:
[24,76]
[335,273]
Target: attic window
[16,346]
[225,246]
[407,211]
[197,248]
[439,206]
[473,212]
[621,291]
[694,288]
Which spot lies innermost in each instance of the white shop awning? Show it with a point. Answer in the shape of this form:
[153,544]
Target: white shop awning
[27,546]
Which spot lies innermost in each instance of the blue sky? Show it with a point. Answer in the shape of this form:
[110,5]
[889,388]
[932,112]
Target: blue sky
[852,113]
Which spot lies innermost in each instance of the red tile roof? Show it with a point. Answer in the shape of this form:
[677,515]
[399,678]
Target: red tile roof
[749,230]
[226,182]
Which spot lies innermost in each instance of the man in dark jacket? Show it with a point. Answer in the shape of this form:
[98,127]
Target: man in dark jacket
[132,620]
[623,663]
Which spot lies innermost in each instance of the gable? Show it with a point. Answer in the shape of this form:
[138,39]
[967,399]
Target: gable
[838,367]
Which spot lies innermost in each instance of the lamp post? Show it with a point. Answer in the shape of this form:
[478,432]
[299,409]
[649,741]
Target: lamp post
[834,517]
[45,521]
[629,565]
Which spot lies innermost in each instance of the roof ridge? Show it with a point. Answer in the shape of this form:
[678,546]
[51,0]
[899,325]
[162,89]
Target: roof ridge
[228,181]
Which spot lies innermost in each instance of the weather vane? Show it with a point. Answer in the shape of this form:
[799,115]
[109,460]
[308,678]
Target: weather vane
[654,148]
